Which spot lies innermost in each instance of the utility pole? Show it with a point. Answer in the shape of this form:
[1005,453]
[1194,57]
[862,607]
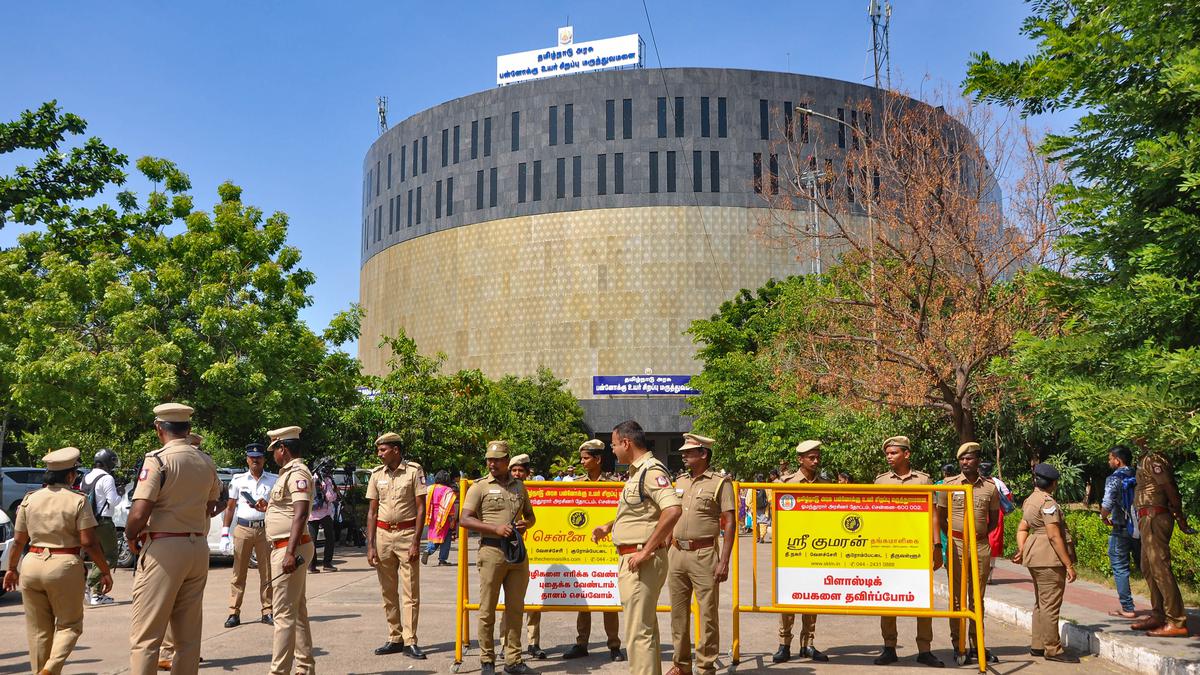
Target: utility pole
[880,12]
[382,106]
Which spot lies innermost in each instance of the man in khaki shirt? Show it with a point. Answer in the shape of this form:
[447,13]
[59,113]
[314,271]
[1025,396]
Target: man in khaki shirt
[986,508]
[646,515]
[897,451]
[1159,508]
[695,565]
[497,507]
[176,494]
[287,529]
[808,456]
[395,515]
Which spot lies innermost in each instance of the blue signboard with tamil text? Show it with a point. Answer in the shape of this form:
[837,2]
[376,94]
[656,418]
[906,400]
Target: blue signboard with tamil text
[642,385]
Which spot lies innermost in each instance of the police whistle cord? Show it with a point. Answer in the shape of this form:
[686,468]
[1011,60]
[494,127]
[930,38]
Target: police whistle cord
[299,562]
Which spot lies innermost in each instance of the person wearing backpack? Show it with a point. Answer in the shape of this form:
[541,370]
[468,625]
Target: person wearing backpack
[101,490]
[1117,511]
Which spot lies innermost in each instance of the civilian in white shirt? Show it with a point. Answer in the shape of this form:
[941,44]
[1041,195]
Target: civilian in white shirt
[102,488]
[249,535]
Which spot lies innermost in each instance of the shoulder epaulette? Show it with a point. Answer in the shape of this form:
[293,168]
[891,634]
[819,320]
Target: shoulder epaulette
[415,465]
[885,473]
[377,468]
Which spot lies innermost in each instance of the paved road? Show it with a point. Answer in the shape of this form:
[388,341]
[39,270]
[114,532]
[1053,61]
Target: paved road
[348,623]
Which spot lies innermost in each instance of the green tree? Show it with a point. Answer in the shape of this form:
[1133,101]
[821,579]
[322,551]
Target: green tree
[1127,363]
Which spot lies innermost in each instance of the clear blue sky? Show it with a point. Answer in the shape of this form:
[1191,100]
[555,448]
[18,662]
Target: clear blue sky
[280,97]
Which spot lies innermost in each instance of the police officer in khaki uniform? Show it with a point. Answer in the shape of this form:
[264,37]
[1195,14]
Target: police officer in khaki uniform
[897,451]
[57,522]
[695,564]
[497,507]
[176,494]
[1159,508]
[987,513]
[519,468]
[287,528]
[395,516]
[591,457]
[1042,547]
[646,515]
[808,456]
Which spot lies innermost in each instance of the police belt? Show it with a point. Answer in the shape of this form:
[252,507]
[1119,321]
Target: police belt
[246,522]
[626,549]
[396,527]
[282,543]
[74,550]
[961,535]
[694,544]
[1151,511]
[166,535]
[491,541]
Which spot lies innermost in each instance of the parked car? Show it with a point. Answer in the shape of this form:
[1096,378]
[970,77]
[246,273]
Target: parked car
[15,483]
[121,516]
[6,543]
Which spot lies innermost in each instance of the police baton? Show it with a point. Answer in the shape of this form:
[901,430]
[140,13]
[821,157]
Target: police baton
[299,562]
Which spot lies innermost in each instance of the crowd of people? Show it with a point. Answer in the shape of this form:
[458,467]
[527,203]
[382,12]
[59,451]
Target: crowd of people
[677,534]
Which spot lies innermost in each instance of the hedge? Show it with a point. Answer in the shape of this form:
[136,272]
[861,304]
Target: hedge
[1091,545]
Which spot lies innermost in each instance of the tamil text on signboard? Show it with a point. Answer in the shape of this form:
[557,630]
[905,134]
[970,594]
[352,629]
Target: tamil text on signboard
[565,567]
[642,385]
[573,57]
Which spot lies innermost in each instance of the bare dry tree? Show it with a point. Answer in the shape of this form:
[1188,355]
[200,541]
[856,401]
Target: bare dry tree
[924,219]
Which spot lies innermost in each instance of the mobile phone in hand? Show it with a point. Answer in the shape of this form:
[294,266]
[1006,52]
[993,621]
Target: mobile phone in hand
[248,497]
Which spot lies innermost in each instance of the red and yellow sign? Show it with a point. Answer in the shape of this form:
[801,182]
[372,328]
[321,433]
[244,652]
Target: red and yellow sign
[565,567]
[853,549]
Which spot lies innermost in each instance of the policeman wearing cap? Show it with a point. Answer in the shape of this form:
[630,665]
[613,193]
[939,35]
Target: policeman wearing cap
[591,459]
[57,523]
[1043,547]
[519,468]
[247,504]
[497,507]
[286,524]
[395,515]
[897,451]
[986,510]
[646,514]
[176,494]
[695,563]
[1159,509]
[808,456]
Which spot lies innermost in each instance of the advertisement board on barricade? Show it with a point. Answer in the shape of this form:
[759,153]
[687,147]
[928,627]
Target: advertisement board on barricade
[565,566]
[869,550]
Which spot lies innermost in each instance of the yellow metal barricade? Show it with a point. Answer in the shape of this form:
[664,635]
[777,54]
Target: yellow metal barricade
[971,556]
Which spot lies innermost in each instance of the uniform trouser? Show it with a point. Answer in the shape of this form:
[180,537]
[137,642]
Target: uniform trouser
[106,532]
[984,551]
[808,629]
[495,573]
[533,628]
[583,629]
[395,569]
[247,540]
[639,596]
[168,588]
[314,526]
[1166,603]
[52,593]
[293,639]
[693,572]
[1048,586]
[887,626]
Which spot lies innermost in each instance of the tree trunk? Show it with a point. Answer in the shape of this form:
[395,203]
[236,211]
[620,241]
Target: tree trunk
[963,419]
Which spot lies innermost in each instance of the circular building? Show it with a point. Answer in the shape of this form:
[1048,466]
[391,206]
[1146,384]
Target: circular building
[581,223]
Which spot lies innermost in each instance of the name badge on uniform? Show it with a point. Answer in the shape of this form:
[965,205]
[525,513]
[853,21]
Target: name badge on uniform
[679,491]
[494,491]
[383,483]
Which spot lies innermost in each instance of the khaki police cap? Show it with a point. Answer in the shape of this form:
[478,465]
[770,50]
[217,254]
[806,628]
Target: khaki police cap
[389,437]
[970,448]
[594,445]
[173,412]
[63,458]
[898,441]
[806,447]
[519,460]
[284,434]
[497,450]
[691,441]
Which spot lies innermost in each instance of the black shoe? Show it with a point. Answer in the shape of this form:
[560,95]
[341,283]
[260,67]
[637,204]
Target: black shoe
[783,655]
[991,658]
[814,654]
[575,652]
[1037,652]
[445,563]
[268,619]
[413,651]
[233,621]
[616,654]
[1063,657]
[425,557]
[487,669]
[313,570]
[519,669]
[536,651]
[389,648]
[929,659]
[888,655]
[329,568]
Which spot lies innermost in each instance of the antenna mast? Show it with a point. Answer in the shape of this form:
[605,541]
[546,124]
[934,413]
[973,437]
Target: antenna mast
[880,12]
[382,102]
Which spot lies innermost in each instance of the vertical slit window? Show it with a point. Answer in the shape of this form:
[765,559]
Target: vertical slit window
[722,118]
[576,175]
[774,173]
[788,131]
[609,122]
[479,189]
[492,180]
[445,147]
[670,171]
[403,161]
[516,131]
[697,171]
[758,184]
[619,173]
[627,118]
[854,129]
[391,215]
[841,115]
[437,202]
[418,207]
[678,117]
[487,137]
[654,172]
[379,222]
[601,175]
[662,117]
[704,124]
[457,141]
[537,180]
[449,197]
[416,159]
[475,139]
[376,179]
[410,207]
[764,120]
[389,171]
[828,178]
[568,124]
[714,171]
[521,178]
[553,118]
[804,117]
[424,154]
[560,178]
